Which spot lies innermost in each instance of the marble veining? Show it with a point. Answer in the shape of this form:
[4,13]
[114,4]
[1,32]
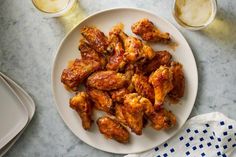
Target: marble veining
[28,42]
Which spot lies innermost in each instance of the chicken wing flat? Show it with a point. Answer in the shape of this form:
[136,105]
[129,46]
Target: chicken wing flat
[96,39]
[119,94]
[133,112]
[178,82]
[119,113]
[101,99]
[89,53]
[161,81]
[161,58]
[162,119]
[116,61]
[142,86]
[149,32]
[81,103]
[112,129]
[134,49]
[79,70]
[107,80]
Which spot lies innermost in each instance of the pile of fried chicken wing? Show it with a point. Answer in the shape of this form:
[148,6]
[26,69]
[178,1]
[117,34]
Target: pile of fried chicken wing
[125,78]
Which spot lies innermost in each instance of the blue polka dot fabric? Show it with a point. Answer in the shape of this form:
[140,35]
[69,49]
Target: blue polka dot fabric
[208,135]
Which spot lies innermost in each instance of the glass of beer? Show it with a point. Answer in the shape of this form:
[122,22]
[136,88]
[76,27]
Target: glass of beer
[53,8]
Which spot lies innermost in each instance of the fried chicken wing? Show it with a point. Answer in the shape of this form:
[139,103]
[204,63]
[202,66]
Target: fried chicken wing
[89,53]
[149,32]
[96,39]
[161,81]
[134,49]
[82,105]
[178,82]
[115,61]
[160,58]
[79,70]
[129,72]
[119,113]
[112,129]
[107,80]
[142,86]
[163,119]
[119,94]
[101,99]
[133,112]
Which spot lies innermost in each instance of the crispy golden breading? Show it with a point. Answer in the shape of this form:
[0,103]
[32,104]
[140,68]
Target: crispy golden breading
[81,103]
[161,58]
[135,50]
[162,119]
[149,32]
[101,99]
[79,70]
[119,113]
[119,94]
[178,81]
[133,112]
[112,129]
[89,53]
[107,80]
[115,61]
[142,86]
[161,81]
[96,39]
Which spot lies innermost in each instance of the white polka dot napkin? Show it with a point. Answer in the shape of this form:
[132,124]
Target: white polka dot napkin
[207,135]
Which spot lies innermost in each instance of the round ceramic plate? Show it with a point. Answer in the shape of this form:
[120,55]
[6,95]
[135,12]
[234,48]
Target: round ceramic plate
[104,21]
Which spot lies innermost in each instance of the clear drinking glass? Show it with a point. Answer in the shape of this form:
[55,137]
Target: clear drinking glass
[53,8]
[190,27]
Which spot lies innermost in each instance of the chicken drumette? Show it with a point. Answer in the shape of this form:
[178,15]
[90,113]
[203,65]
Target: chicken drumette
[135,50]
[116,61]
[82,105]
[101,99]
[149,32]
[96,39]
[161,81]
[107,80]
[112,129]
[79,70]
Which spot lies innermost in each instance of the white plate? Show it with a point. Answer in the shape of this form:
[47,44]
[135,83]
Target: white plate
[29,104]
[68,50]
[13,114]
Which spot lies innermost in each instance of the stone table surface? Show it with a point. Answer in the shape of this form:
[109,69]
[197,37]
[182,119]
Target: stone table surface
[28,42]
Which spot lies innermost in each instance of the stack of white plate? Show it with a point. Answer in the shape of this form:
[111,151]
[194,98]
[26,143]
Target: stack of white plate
[16,111]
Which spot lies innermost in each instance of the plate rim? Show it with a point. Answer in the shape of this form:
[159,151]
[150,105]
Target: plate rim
[17,129]
[29,106]
[103,11]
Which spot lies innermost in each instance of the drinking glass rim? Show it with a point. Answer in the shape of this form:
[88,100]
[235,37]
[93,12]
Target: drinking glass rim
[57,13]
[186,26]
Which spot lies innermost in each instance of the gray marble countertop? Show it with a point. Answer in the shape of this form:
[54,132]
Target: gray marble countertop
[28,43]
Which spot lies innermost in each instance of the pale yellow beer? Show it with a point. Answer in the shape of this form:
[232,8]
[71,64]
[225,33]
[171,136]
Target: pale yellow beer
[53,7]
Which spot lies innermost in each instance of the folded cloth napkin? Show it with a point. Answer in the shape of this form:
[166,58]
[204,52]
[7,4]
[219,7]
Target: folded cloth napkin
[207,135]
